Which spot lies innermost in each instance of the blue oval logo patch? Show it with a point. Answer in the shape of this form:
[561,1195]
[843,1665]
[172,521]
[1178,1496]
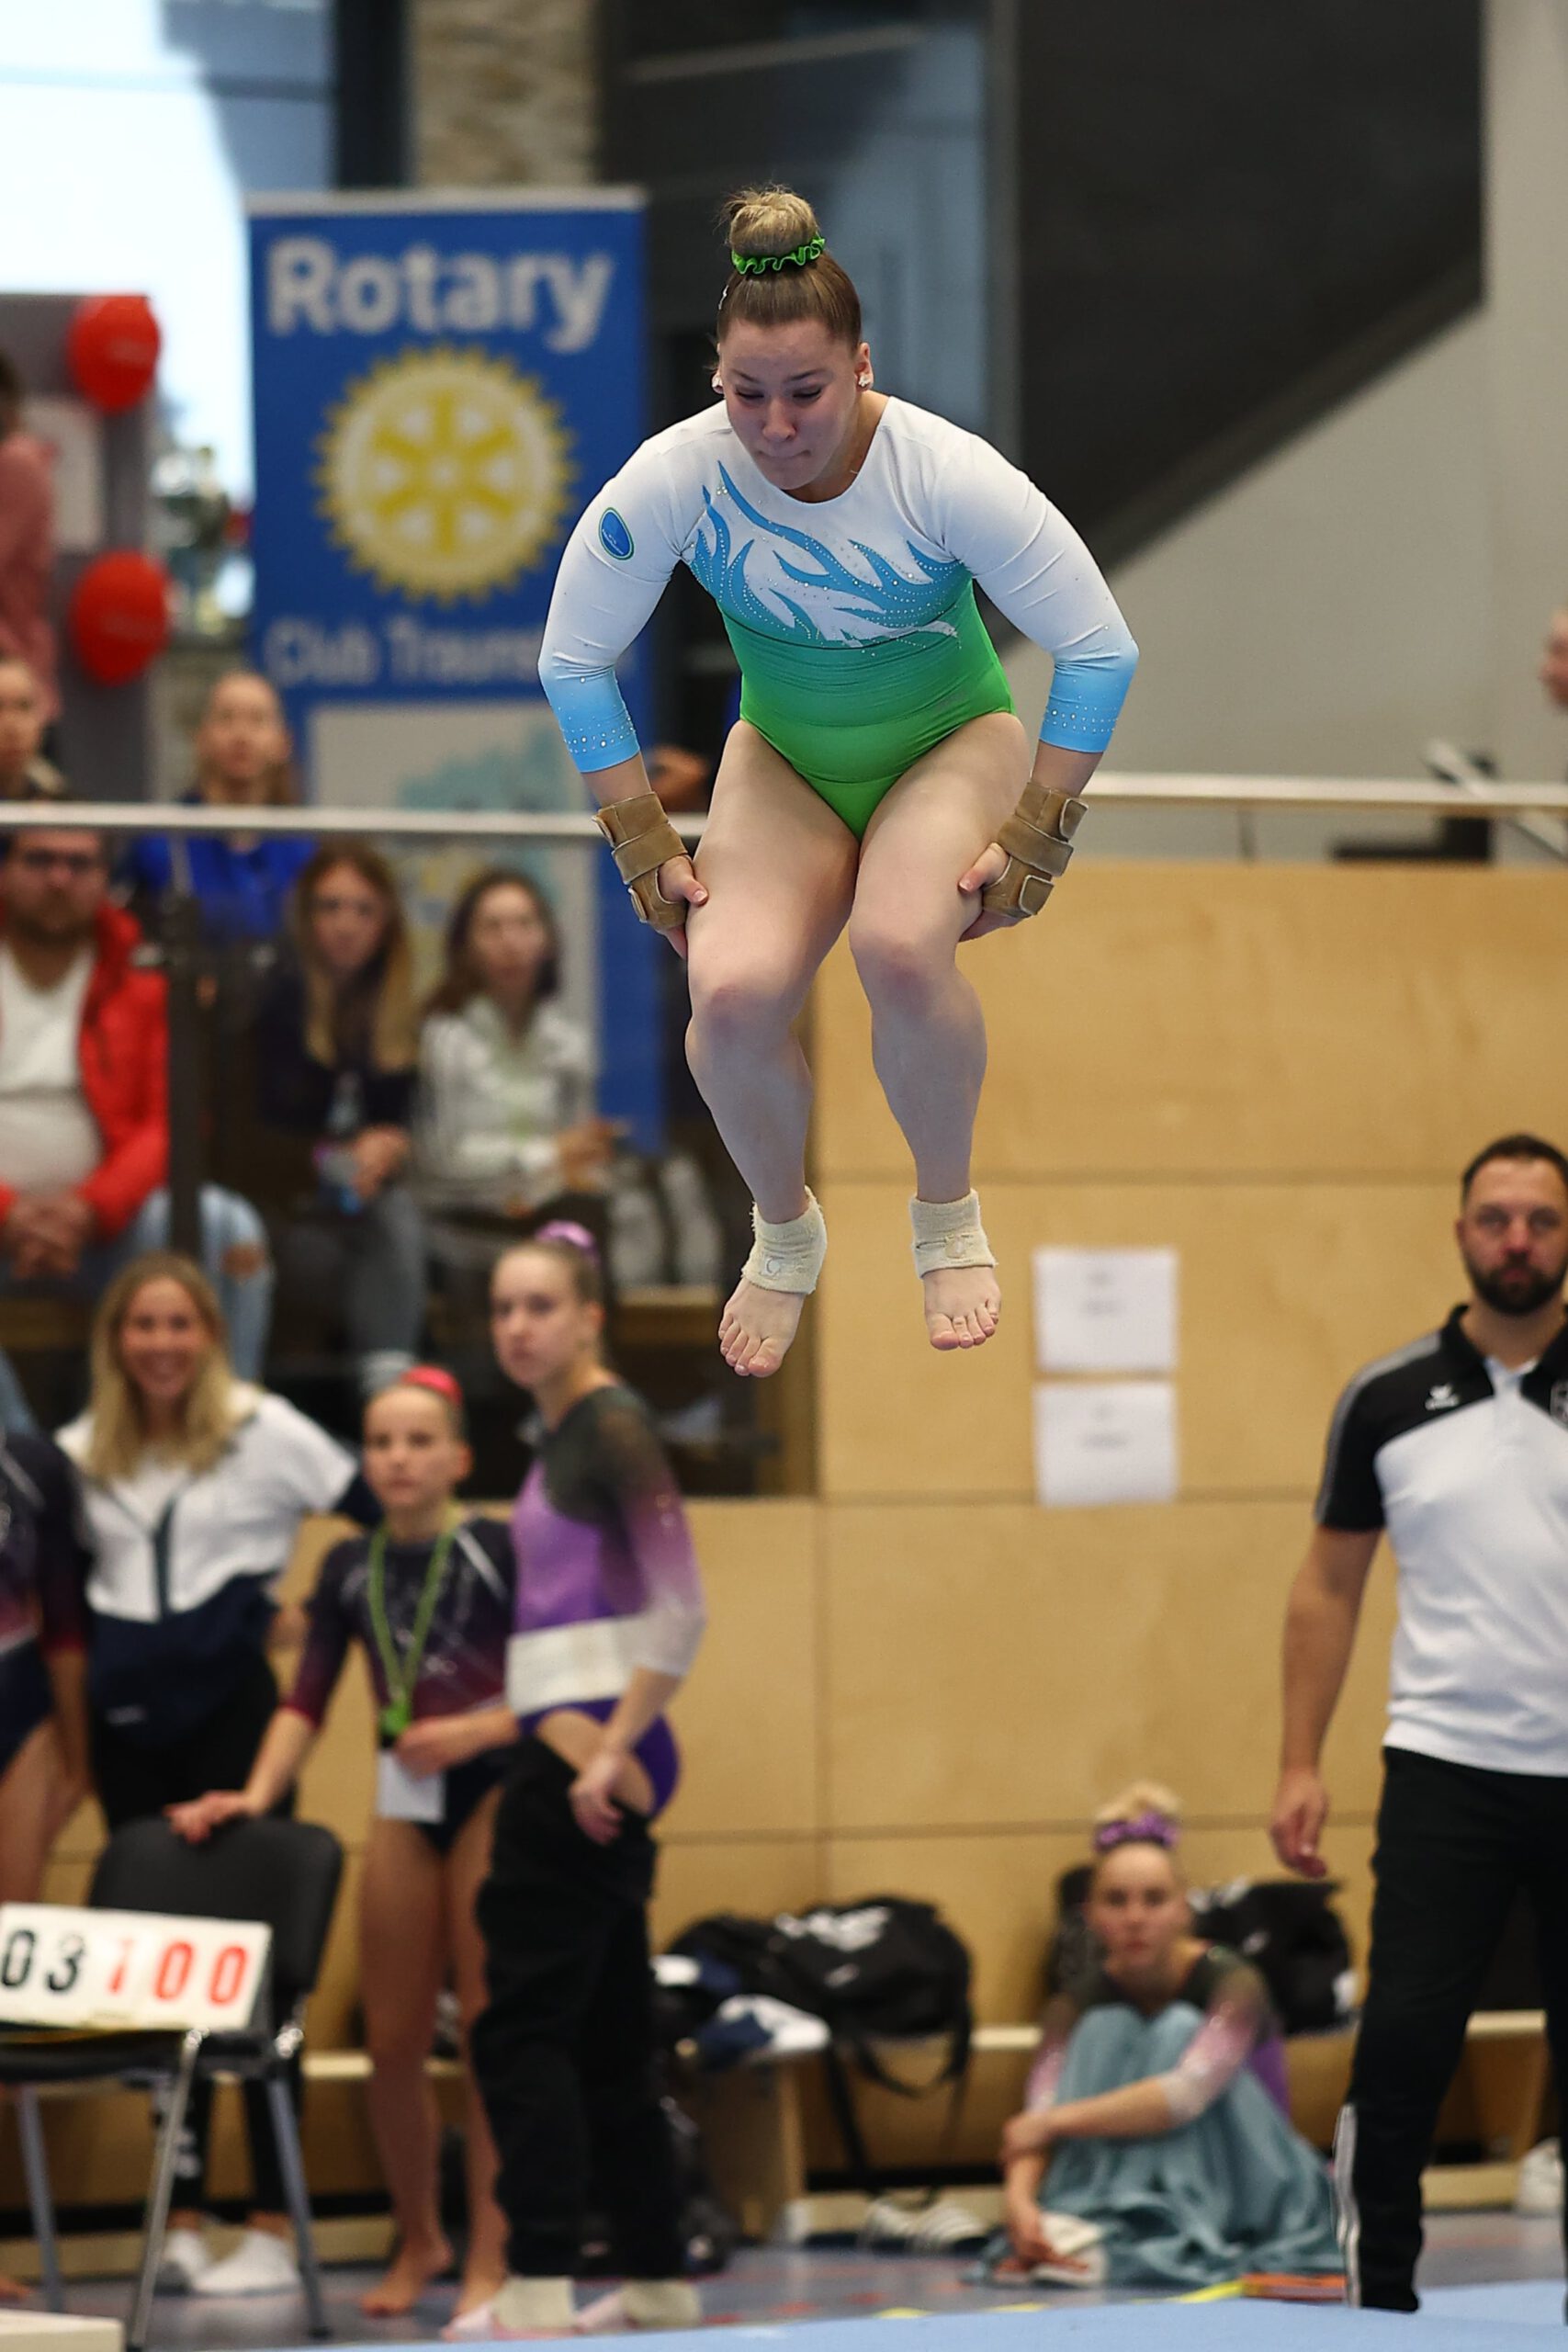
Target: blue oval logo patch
[613,536]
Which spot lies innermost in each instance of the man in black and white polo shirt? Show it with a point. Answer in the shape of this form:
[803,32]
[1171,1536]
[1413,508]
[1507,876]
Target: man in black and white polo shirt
[1456,1448]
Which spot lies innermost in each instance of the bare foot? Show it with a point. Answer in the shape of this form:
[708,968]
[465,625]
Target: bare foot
[964,1305]
[479,2287]
[410,2273]
[756,1328]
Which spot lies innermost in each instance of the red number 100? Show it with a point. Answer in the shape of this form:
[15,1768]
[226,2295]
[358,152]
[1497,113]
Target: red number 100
[228,1970]
[173,1970]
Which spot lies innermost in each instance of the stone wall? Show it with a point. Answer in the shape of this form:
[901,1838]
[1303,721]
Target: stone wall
[504,93]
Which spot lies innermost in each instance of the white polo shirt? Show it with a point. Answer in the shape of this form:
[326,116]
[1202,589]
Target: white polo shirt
[1465,1465]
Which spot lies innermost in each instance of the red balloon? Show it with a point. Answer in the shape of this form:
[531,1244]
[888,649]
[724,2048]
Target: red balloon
[111,346]
[118,615]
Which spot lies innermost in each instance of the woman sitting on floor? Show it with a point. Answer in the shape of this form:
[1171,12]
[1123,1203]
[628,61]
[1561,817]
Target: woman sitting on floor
[1153,2150]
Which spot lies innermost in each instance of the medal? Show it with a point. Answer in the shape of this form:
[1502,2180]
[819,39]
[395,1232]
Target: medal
[402,1673]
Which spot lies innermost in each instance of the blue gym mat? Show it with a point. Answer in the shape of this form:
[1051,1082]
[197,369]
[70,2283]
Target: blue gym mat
[1529,2301]
[1232,2326]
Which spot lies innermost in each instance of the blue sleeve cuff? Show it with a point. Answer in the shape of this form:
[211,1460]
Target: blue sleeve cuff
[1086,696]
[593,718]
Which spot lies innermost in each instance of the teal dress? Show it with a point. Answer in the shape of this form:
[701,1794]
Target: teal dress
[1235,2190]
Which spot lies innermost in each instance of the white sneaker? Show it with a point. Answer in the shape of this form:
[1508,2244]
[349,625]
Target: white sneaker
[182,2262]
[1538,2188]
[929,2228]
[945,2224]
[260,2265]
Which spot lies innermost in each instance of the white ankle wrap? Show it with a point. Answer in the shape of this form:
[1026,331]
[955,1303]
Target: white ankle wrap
[662,2302]
[543,2306]
[949,1233]
[787,1257]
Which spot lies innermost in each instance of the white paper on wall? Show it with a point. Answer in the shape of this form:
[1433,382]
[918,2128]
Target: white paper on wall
[74,433]
[1105,1310]
[1104,1441]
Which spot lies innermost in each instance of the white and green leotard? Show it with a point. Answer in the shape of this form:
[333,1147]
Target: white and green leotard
[852,618]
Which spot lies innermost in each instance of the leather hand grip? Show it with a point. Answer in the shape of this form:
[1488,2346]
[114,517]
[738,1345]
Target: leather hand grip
[641,838]
[1038,839]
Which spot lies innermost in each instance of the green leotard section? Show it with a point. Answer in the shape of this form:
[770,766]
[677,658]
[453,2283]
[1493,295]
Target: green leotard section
[852,719]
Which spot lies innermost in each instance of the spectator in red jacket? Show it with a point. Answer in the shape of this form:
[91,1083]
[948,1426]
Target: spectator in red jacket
[83,1105]
[26,540]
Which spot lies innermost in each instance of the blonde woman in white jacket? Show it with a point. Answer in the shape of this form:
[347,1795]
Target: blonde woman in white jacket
[193,1487]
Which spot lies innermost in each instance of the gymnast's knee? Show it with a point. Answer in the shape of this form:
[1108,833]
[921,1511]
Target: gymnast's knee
[735,1012]
[902,965]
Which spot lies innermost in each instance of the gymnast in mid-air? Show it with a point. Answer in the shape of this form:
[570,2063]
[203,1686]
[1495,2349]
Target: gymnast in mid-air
[877,775]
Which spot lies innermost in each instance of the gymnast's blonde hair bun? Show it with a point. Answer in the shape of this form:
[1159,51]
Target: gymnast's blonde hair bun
[1142,1801]
[763,222]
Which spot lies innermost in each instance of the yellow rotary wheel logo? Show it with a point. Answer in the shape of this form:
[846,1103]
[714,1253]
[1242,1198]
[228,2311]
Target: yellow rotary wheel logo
[445,472]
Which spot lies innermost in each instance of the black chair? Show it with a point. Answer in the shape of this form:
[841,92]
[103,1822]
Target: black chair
[283,1872]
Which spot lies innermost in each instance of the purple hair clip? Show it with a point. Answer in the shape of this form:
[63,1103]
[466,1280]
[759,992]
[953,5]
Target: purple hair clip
[577,1235]
[1144,1829]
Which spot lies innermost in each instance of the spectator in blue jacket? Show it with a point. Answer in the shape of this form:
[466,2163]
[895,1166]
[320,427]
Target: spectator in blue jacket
[240,880]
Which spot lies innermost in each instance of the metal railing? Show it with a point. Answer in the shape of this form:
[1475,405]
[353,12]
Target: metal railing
[1423,798]
[182,947]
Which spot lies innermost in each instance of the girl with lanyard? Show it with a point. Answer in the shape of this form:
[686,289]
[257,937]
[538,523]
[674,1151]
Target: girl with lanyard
[429,1597]
[608,1618]
[873,776]
[194,1487]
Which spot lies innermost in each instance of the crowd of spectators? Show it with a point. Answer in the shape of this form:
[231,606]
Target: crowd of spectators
[357,1140]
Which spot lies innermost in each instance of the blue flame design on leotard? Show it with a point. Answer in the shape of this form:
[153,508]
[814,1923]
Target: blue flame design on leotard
[891,601]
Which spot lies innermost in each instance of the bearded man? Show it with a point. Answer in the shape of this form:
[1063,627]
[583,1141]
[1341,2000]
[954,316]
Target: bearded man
[1456,1448]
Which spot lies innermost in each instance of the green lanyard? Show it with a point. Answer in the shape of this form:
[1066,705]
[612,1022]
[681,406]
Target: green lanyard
[403,1673]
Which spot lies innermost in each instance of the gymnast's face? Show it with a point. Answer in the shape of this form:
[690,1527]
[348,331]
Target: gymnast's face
[542,1330]
[413,1455]
[1137,1909]
[792,395]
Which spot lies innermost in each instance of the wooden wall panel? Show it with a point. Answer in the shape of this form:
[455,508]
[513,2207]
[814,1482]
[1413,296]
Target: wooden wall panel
[1285,1291]
[996,1666]
[1234,1019]
[755,1875]
[748,1719]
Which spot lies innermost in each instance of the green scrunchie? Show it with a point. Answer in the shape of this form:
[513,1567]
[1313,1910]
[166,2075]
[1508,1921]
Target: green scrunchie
[748,264]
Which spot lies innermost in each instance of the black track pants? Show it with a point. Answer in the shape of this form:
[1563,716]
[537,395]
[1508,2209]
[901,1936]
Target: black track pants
[564,2053]
[1455,1846]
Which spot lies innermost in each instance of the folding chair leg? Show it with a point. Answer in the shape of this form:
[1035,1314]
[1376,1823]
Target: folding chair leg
[842,2101]
[161,2195]
[291,2164]
[35,2163]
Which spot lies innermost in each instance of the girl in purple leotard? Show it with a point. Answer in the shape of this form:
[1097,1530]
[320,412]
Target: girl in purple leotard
[608,1618]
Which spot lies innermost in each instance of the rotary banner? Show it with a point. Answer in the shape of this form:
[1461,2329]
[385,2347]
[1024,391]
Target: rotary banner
[440,385]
